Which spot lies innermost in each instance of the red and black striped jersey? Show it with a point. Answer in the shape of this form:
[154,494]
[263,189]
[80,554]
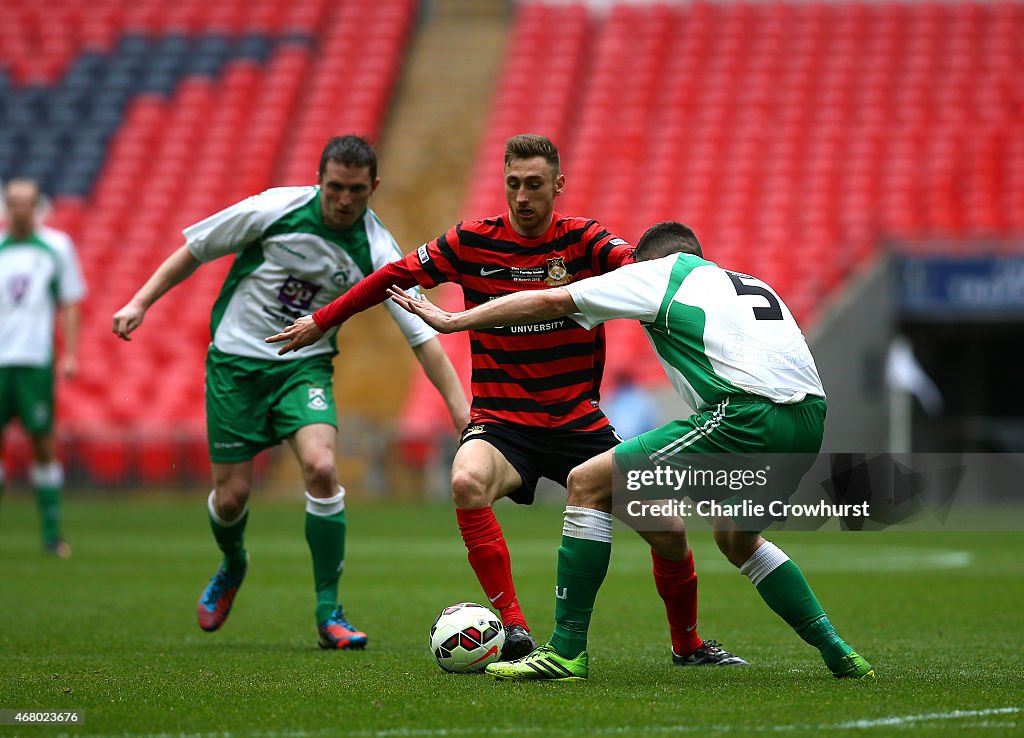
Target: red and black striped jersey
[545,374]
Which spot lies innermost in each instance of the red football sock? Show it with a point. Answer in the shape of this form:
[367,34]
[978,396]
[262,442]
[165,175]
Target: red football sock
[677,584]
[488,555]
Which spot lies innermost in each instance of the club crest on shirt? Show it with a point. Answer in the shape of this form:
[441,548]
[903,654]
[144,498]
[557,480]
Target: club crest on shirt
[18,286]
[473,430]
[317,399]
[557,273]
[343,278]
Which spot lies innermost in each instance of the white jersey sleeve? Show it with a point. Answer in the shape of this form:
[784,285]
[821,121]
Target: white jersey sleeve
[383,251]
[234,227]
[632,291]
[70,282]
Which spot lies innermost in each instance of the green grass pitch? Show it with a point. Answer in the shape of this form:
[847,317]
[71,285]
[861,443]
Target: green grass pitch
[113,632]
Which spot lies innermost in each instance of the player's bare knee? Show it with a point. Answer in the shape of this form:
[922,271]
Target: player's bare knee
[470,490]
[320,476]
[585,489]
[230,498]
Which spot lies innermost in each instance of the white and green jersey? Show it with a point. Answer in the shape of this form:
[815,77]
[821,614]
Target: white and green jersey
[37,275]
[289,264]
[716,332]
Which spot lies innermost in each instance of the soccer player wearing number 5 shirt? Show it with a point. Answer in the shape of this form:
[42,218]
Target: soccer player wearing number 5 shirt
[535,387]
[734,353]
[296,249]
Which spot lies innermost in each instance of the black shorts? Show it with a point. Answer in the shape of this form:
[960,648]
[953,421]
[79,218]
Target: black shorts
[541,452]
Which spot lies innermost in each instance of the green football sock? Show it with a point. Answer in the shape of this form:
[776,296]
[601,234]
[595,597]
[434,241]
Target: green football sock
[230,537]
[47,480]
[325,534]
[786,591]
[48,501]
[582,566]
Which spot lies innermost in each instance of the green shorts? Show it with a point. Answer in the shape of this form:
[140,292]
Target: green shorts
[253,404]
[27,392]
[743,432]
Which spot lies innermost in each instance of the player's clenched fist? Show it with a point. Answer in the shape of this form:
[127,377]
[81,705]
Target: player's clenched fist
[127,319]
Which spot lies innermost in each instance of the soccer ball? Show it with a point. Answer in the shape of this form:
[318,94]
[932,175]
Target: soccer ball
[466,637]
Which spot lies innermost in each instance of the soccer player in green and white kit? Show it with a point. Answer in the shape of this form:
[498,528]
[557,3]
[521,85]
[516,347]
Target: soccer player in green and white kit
[735,354]
[296,249]
[39,276]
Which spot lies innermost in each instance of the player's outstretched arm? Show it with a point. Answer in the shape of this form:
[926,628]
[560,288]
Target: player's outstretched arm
[175,269]
[370,291]
[438,319]
[439,370]
[303,332]
[516,309]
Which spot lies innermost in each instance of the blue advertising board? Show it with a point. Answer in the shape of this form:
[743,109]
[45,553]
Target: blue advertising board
[990,286]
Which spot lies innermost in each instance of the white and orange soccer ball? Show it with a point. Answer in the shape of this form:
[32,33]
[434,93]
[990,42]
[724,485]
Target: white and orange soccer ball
[466,637]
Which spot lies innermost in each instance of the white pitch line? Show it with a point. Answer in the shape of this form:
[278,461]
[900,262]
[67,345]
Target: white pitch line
[668,729]
[865,724]
[927,717]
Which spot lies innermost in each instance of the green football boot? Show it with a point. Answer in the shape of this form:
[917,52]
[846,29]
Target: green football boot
[854,666]
[542,664]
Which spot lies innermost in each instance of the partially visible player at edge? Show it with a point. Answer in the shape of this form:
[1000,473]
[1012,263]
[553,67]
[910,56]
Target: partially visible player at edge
[535,406]
[769,400]
[39,277]
[296,249]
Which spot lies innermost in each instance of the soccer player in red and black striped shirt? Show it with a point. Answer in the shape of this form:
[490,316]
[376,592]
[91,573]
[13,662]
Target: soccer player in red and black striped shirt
[535,387]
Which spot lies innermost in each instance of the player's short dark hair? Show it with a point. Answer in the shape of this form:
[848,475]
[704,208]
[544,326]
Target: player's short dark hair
[352,151]
[530,145]
[667,237]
